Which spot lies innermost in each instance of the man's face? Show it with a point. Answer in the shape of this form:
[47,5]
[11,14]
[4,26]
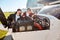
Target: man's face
[29,11]
[19,12]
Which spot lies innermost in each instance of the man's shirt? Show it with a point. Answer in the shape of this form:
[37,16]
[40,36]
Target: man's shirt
[27,14]
[17,17]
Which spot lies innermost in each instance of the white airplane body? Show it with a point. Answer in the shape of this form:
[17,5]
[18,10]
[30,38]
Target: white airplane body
[52,34]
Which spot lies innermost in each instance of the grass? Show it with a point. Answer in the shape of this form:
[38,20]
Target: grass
[7,14]
[3,33]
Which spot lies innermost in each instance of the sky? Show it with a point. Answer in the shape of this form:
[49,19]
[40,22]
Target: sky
[12,5]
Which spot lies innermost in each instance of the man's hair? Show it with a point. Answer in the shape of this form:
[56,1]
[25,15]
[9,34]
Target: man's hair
[18,9]
[29,9]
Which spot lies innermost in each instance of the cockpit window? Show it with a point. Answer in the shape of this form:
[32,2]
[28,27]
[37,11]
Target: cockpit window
[55,11]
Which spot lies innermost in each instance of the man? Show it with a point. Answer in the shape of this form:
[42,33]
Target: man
[31,15]
[14,17]
[28,13]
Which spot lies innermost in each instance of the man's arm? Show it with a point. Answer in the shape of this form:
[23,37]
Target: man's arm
[9,20]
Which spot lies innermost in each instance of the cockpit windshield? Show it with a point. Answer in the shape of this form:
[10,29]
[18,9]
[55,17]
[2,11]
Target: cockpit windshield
[51,10]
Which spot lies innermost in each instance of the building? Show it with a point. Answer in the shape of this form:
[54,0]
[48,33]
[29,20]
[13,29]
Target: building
[40,3]
[33,3]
